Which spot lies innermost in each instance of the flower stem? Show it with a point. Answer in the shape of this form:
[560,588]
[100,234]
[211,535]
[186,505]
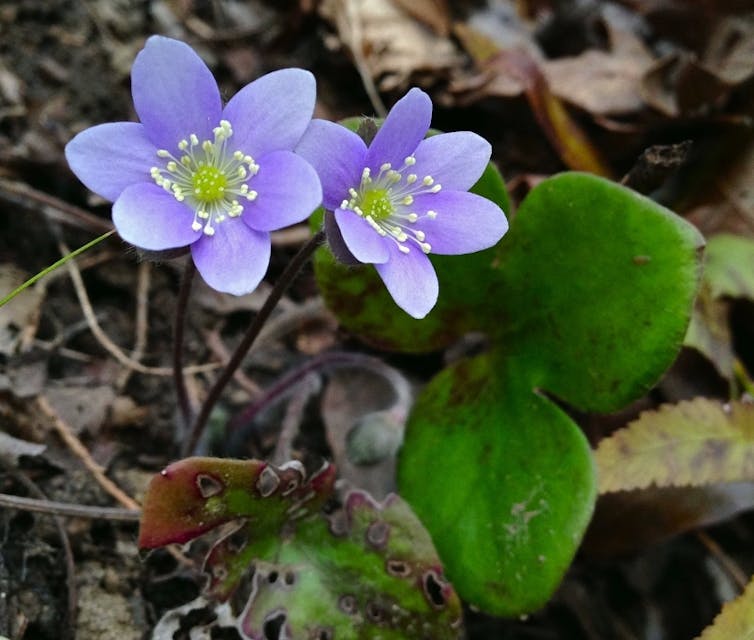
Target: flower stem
[240,425]
[286,279]
[180,323]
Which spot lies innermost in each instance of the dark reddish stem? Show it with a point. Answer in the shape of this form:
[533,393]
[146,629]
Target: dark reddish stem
[281,286]
[184,404]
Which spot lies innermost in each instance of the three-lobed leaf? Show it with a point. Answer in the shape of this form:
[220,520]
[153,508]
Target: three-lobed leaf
[587,298]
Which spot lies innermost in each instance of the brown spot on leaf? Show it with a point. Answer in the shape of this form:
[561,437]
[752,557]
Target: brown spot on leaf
[348,604]
[267,482]
[434,589]
[208,485]
[378,533]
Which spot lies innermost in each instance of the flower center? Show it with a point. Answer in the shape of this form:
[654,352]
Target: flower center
[385,200]
[209,183]
[208,178]
[376,203]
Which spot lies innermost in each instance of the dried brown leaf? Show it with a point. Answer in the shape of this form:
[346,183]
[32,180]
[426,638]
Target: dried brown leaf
[695,442]
[393,45]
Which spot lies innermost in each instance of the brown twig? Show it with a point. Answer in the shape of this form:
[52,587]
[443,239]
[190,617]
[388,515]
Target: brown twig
[55,209]
[142,312]
[107,344]
[726,562]
[81,452]
[68,510]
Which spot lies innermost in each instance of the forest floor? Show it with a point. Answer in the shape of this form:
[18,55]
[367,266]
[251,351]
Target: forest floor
[85,359]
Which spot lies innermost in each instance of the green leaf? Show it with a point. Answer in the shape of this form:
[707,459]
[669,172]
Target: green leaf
[506,487]
[598,287]
[363,305]
[592,299]
[354,572]
[695,442]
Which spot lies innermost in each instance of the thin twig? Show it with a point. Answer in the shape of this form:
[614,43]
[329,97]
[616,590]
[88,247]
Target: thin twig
[70,567]
[142,313]
[82,453]
[107,344]
[726,562]
[57,210]
[179,379]
[281,286]
[69,510]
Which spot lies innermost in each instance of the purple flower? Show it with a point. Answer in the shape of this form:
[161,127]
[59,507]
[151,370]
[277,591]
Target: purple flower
[403,197]
[195,173]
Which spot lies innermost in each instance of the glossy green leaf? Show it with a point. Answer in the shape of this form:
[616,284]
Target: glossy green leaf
[503,480]
[354,572]
[598,287]
[591,303]
[363,305]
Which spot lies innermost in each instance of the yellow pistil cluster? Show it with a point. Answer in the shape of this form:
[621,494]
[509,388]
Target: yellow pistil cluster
[207,177]
[385,200]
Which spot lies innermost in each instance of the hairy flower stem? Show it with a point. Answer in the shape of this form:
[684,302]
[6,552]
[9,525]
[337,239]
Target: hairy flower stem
[281,286]
[180,323]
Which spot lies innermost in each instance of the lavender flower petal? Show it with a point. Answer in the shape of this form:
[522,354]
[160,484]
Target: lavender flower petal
[272,112]
[455,160]
[362,241]
[234,259]
[465,222]
[335,241]
[411,280]
[148,217]
[110,157]
[289,191]
[337,154]
[174,93]
[403,129]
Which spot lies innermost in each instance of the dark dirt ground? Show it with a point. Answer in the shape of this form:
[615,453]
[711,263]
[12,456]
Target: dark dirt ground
[64,66]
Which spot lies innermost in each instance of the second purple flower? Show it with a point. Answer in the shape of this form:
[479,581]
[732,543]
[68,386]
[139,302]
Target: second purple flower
[403,197]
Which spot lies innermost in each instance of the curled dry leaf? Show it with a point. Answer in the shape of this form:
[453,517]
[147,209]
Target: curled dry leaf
[728,273]
[627,521]
[393,45]
[603,82]
[696,442]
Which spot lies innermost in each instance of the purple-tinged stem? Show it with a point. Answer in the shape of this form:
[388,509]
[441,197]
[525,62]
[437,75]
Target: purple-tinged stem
[184,404]
[286,279]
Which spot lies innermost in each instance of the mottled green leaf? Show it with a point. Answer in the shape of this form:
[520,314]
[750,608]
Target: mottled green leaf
[502,478]
[357,571]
